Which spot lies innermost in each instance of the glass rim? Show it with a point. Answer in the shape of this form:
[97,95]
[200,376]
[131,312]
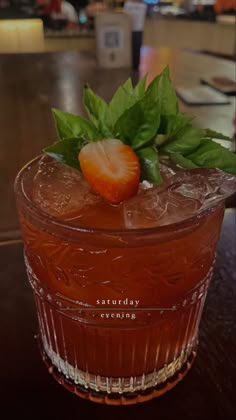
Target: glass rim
[66,225]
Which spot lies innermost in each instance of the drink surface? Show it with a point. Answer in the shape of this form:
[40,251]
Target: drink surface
[61,191]
[79,278]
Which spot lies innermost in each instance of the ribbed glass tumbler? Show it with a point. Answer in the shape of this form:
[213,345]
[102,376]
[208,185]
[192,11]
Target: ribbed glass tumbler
[118,311]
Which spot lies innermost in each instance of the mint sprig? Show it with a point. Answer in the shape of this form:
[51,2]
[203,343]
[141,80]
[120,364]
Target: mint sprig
[148,120]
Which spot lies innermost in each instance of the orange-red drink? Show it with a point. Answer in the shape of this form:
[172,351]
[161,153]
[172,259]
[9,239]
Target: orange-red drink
[119,290]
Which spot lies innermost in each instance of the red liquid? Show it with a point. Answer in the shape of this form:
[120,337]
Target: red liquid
[166,271]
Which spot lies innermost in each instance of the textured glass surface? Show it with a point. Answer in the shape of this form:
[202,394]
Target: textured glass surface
[118,311]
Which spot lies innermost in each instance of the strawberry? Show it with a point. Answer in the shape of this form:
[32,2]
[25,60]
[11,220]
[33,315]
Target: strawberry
[111,168]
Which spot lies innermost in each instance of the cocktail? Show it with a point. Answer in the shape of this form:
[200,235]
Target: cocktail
[120,244]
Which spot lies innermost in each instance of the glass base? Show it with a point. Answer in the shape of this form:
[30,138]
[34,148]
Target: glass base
[118,391]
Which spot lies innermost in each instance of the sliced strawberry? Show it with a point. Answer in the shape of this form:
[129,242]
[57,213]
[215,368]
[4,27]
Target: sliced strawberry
[111,168]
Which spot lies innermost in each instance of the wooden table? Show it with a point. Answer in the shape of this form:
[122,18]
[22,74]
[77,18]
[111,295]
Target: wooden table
[30,85]
[217,37]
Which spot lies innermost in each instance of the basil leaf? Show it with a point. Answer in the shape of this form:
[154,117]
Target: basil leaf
[162,88]
[97,110]
[182,161]
[96,107]
[185,141]
[215,135]
[138,124]
[128,86]
[170,124]
[149,162]
[127,125]
[139,89]
[210,154]
[69,125]
[123,99]
[66,151]
[147,120]
[161,139]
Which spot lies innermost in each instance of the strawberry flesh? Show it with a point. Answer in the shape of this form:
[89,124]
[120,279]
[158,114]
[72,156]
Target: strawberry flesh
[111,168]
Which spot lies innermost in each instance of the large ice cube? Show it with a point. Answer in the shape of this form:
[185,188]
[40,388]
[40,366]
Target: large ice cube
[61,190]
[154,208]
[209,186]
[178,198]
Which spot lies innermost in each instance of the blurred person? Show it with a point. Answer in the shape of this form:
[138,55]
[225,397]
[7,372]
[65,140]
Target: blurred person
[95,7]
[55,11]
[92,9]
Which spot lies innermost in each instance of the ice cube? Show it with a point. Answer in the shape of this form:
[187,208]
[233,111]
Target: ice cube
[178,198]
[154,208]
[61,190]
[208,185]
[168,169]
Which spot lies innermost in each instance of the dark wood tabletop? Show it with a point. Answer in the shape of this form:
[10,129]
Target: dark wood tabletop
[29,86]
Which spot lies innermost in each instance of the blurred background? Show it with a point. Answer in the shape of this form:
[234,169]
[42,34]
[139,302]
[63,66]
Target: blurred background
[48,50]
[69,24]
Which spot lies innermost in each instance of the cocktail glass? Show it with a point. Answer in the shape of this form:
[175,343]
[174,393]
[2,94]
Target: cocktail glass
[118,309]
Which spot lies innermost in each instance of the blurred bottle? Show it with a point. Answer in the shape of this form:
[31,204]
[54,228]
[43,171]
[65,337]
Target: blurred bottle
[136,9]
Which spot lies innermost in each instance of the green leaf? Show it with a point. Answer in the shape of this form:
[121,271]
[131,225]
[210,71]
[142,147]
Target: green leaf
[215,135]
[66,151]
[170,124]
[147,120]
[128,86]
[161,139]
[162,88]
[127,125]
[149,162]
[97,110]
[70,125]
[210,154]
[96,107]
[139,89]
[182,161]
[138,124]
[123,99]
[185,141]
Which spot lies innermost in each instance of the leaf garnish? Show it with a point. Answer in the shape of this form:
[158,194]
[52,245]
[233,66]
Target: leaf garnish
[150,166]
[215,135]
[185,141]
[123,99]
[147,119]
[210,154]
[138,125]
[97,110]
[140,88]
[162,88]
[66,151]
[70,125]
